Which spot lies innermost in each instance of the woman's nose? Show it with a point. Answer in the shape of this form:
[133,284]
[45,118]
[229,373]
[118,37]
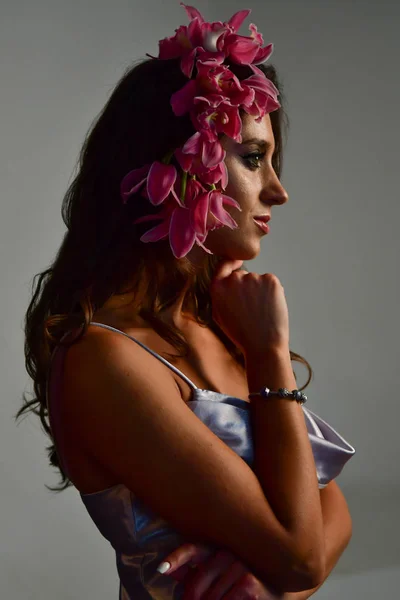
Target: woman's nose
[273,191]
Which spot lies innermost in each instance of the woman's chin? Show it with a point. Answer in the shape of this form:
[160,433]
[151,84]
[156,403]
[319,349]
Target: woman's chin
[247,251]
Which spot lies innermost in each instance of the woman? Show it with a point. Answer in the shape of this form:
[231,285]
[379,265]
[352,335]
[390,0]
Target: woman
[173,459]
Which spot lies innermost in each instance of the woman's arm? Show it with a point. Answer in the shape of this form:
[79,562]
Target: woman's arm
[283,459]
[337,533]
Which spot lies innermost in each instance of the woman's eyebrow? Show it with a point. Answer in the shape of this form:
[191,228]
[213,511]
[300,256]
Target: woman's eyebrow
[259,141]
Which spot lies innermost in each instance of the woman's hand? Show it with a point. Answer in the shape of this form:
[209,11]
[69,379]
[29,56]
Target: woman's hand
[212,574]
[250,308]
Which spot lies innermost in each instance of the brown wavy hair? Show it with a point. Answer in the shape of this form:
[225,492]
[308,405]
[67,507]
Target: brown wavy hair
[101,254]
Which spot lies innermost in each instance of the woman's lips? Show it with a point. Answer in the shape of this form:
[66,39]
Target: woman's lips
[262,225]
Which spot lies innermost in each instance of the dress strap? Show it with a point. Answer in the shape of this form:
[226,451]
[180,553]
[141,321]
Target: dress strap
[163,360]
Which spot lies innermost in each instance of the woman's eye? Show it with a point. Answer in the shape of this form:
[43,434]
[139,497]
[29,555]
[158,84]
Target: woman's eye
[254,159]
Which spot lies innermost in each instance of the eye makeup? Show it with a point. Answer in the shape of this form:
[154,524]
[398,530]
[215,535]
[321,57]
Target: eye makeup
[253,159]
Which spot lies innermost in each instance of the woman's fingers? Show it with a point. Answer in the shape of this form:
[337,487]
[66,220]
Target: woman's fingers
[215,574]
[188,554]
[181,573]
[214,578]
[200,583]
[248,587]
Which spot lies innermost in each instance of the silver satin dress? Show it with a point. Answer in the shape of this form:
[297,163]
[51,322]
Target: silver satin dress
[141,538]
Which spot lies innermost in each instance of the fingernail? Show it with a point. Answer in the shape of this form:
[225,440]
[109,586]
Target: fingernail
[163,567]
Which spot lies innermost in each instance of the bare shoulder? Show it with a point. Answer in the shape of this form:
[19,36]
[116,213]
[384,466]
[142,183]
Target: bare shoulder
[104,351]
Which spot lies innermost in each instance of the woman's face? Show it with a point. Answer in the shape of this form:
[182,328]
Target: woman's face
[253,183]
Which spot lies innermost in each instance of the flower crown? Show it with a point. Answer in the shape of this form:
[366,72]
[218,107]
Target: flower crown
[192,203]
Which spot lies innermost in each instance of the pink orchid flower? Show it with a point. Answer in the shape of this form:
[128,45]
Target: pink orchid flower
[243,50]
[266,95]
[213,80]
[218,79]
[183,44]
[218,174]
[193,165]
[223,38]
[213,38]
[188,41]
[177,225]
[187,225]
[209,212]
[217,115]
[160,180]
[207,146]
[206,208]
[218,216]
[212,31]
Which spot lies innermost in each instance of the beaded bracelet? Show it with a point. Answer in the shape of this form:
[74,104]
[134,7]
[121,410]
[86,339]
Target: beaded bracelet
[283,393]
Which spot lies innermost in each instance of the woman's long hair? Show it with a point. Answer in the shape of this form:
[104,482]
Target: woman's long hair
[101,253]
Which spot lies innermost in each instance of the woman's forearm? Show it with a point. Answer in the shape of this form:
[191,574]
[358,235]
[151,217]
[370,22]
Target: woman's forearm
[283,458]
[337,534]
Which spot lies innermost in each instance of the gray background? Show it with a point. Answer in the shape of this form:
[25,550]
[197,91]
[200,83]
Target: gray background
[334,246]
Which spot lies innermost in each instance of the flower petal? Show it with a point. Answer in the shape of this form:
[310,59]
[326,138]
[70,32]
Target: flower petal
[236,21]
[160,180]
[181,234]
[195,32]
[212,176]
[184,160]
[160,232]
[256,35]
[211,40]
[216,208]
[199,214]
[263,54]
[198,242]
[193,144]
[182,100]
[231,202]
[224,175]
[132,181]
[212,154]
[147,218]
[242,50]
[187,62]
[193,13]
